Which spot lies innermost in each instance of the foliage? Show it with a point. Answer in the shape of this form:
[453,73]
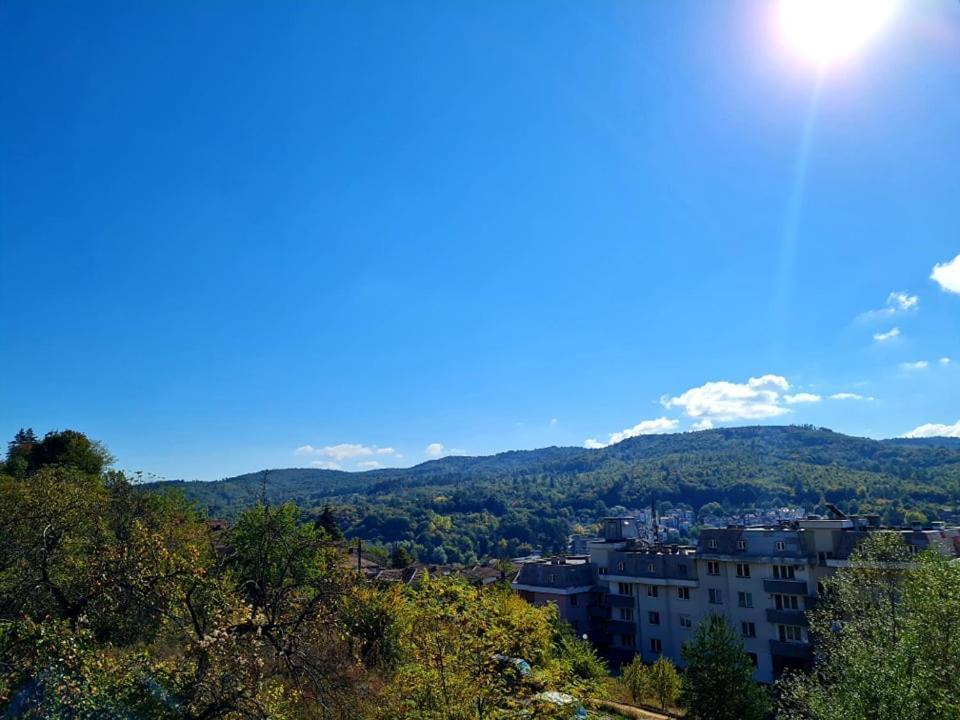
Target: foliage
[888,639]
[468,652]
[117,601]
[634,677]
[659,682]
[459,509]
[718,679]
[663,682]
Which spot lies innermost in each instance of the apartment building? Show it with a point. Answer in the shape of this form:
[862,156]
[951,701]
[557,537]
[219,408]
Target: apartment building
[631,596]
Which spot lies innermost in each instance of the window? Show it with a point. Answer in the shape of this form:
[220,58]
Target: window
[682,569]
[745,599]
[741,544]
[624,589]
[715,597]
[713,567]
[714,544]
[748,629]
[821,589]
[602,571]
[787,602]
[743,570]
[551,578]
[753,658]
[781,545]
[790,633]
[626,640]
[620,566]
[653,617]
[651,568]
[683,593]
[686,621]
[822,557]
[784,572]
[655,645]
[626,613]
[653,591]
[573,601]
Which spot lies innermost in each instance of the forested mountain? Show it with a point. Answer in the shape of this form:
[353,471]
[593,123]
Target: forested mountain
[458,508]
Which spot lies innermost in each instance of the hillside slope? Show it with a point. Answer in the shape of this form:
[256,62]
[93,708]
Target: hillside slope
[533,497]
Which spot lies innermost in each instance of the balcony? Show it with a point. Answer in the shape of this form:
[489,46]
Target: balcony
[790,649]
[620,600]
[786,587]
[787,617]
[622,626]
[599,612]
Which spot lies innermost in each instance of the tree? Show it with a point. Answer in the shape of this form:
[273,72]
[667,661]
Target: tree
[664,682]
[68,448]
[400,557]
[635,677]
[327,521]
[888,634]
[718,680]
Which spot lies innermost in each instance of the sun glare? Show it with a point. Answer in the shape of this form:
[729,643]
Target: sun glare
[826,32]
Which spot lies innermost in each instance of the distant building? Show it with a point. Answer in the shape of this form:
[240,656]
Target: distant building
[631,596]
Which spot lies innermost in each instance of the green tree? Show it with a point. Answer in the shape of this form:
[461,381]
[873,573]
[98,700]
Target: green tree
[68,448]
[888,635]
[400,557]
[636,679]
[327,521]
[664,682]
[718,679]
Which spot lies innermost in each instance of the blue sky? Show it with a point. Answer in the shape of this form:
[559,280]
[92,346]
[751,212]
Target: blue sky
[242,235]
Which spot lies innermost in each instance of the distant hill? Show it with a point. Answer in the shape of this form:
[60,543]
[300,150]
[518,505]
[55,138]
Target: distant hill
[456,508]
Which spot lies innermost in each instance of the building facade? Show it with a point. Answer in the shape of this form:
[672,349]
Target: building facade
[631,596]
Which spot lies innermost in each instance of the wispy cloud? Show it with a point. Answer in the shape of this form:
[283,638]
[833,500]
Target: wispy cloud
[897,302]
[935,430]
[326,465]
[645,427]
[945,361]
[888,335]
[434,450]
[344,451]
[369,465]
[801,398]
[918,365]
[947,275]
[849,396]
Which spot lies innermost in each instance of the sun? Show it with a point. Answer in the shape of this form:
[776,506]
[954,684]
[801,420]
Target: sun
[826,32]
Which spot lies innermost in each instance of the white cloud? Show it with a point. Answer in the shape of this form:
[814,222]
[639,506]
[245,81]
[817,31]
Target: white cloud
[801,398]
[849,396]
[902,301]
[722,401]
[326,464]
[434,449]
[945,361]
[935,430]
[704,424]
[889,335]
[947,275]
[369,465]
[346,451]
[553,422]
[645,427]
[918,365]
[897,302]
